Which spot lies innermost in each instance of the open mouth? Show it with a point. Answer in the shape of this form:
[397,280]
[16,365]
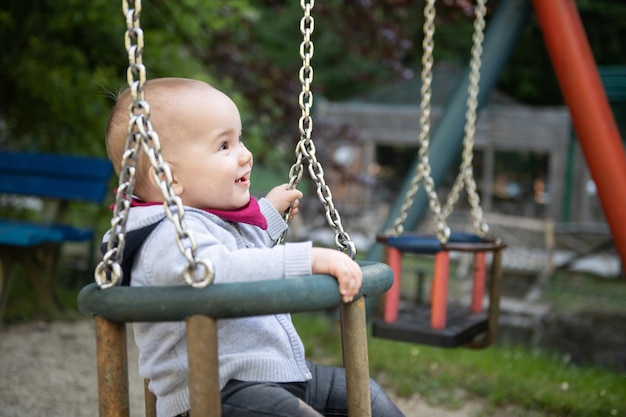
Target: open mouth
[243,180]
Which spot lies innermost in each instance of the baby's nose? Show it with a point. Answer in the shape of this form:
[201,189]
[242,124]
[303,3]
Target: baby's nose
[245,156]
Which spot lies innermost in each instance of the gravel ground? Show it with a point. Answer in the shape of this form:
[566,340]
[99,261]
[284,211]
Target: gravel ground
[49,369]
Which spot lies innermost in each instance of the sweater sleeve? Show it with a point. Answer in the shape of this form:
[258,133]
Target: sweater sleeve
[233,260]
[275,223]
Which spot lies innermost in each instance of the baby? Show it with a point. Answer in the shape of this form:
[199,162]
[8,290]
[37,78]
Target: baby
[262,365]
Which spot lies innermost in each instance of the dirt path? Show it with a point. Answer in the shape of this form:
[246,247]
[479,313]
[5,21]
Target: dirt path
[49,369]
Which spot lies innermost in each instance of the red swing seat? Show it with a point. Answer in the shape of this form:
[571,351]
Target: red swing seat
[437,323]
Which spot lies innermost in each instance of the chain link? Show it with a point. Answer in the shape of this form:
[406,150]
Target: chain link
[466,173]
[465,177]
[305,149]
[422,170]
[141,137]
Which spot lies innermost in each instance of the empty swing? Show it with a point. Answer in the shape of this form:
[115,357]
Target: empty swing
[199,303]
[438,324]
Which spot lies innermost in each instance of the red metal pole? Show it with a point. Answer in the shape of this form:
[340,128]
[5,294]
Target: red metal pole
[586,99]
[439,292]
[392,298]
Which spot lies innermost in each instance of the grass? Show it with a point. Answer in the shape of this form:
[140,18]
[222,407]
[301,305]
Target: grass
[532,381]
[578,292]
[520,380]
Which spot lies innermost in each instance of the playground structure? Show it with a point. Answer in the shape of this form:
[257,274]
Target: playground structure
[572,54]
[201,307]
[575,67]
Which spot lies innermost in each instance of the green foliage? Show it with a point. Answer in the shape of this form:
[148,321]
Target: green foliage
[529,76]
[62,61]
[51,73]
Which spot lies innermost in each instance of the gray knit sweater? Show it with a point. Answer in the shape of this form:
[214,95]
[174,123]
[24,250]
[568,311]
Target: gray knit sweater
[262,348]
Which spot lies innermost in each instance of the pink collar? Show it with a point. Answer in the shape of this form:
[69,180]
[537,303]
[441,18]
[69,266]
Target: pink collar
[249,214]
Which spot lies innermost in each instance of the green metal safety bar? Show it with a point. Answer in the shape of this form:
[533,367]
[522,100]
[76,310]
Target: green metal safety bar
[112,308]
[175,303]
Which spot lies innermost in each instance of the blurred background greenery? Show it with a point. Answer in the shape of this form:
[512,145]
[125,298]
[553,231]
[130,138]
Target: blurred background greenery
[62,61]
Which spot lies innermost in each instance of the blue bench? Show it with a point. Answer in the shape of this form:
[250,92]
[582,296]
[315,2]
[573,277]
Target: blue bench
[35,245]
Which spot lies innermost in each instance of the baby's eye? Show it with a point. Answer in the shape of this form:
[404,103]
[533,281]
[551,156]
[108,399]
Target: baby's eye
[223,146]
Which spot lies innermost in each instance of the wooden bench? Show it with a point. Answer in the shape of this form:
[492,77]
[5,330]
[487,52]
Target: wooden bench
[52,182]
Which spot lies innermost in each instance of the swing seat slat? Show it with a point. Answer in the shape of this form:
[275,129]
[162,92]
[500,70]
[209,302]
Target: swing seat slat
[427,244]
[413,326]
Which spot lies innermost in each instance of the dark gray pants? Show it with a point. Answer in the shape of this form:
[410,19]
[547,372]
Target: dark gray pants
[323,395]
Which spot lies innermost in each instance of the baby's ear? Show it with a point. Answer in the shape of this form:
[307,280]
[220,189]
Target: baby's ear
[156,179]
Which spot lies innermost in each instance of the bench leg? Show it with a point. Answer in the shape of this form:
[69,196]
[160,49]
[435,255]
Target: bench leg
[40,267]
[6,279]
[46,301]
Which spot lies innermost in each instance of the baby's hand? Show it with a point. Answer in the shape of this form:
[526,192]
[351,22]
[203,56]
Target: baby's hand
[342,267]
[281,197]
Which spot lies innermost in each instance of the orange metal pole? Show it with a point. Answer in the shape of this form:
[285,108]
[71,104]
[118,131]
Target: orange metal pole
[586,99]
[439,293]
[392,298]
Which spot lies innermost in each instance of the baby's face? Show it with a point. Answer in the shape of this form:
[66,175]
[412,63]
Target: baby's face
[212,165]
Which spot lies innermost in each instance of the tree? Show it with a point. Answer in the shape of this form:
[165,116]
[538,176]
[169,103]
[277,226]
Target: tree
[63,60]
[55,58]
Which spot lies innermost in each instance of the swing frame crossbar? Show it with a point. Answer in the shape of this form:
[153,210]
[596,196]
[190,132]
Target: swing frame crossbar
[436,323]
[112,308]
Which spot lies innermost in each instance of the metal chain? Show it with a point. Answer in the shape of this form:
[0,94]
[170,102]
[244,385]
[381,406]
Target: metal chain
[305,149]
[466,175]
[423,171]
[141,137]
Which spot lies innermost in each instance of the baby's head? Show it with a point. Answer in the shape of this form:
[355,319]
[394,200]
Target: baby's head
[199,128]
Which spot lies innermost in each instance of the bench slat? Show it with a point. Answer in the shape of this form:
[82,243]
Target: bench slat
[24,234]
[58,165]
[54,176]
[59,188]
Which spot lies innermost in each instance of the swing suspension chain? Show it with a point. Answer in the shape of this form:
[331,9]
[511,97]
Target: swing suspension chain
[465,176]
[141,137]
[305,98]
[423,171]
[305,149]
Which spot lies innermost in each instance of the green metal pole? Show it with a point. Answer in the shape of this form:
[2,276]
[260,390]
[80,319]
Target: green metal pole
[503,33]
